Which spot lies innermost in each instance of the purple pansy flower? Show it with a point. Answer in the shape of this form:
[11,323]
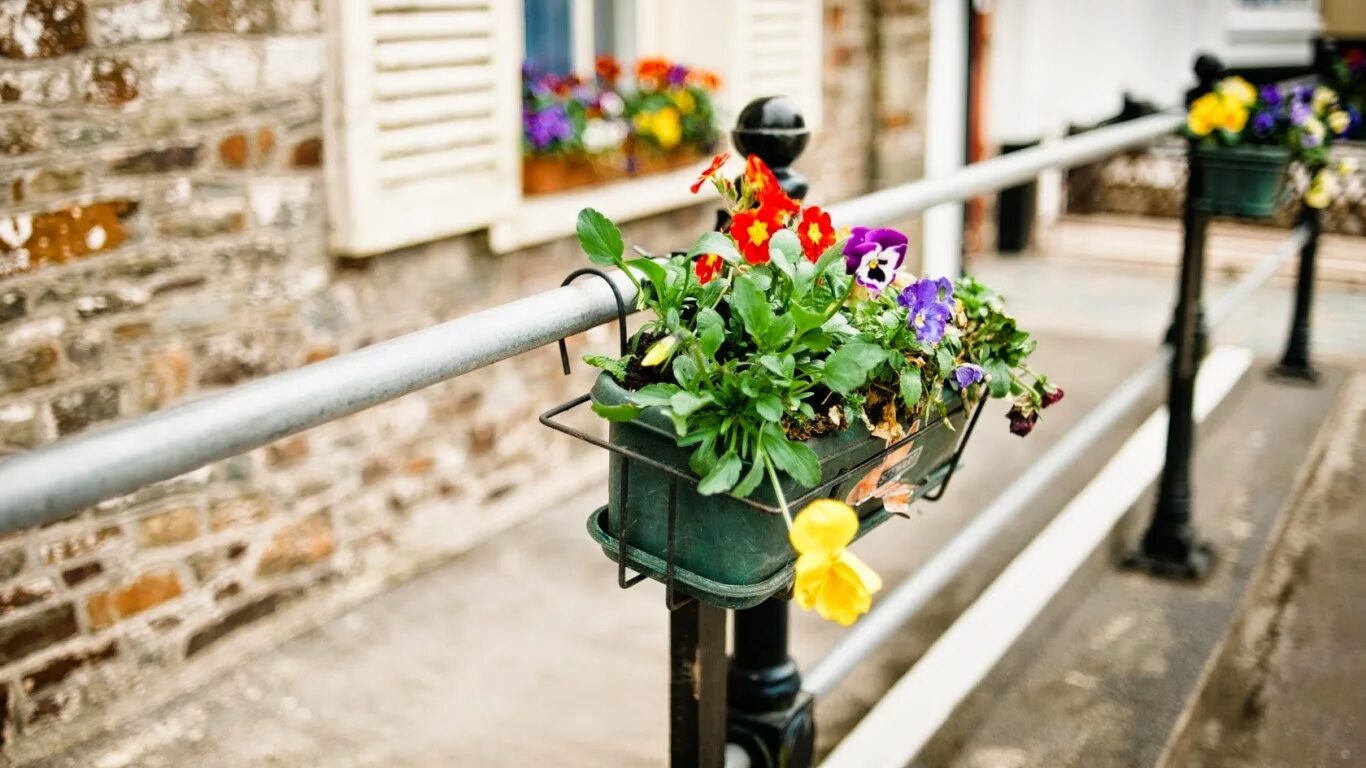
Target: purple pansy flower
[1271,95]
[968,374]
[930,310]
[677,74]
[1300,112]
[872,256]
[546,126]
[1264,123]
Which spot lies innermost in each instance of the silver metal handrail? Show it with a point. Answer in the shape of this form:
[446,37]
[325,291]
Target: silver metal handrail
[59,480]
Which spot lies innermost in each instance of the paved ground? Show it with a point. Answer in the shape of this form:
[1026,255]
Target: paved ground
[1289,692]
[523,652]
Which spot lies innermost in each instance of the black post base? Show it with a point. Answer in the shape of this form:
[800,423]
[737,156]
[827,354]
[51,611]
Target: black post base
[1192,565]
[1296,373]
[776,739]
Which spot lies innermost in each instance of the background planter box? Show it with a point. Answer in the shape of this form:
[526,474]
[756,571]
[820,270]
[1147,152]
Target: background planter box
[727,552]
[545,174]
[1242,181]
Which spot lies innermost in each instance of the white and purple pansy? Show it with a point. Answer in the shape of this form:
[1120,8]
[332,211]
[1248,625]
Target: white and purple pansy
[930,305]
[873,256]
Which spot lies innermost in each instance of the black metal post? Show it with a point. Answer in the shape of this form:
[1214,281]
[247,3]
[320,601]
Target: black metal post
[1295,362]
[1170,547]
[769,716]
[697,686]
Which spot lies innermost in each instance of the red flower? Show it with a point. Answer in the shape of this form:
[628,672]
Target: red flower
[708,266]
[759,180]
[751,231]
[608,69]
[815,233]
[716,163]
[776,200]
[704,79]
[651,73]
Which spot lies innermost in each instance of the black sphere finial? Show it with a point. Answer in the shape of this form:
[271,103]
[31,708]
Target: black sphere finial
[1208,71]
[773,128]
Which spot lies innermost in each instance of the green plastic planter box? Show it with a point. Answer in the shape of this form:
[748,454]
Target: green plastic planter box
[731,554]
[1242,181]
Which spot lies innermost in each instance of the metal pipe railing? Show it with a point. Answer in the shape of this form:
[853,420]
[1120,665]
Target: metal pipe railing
[57,481]
[902,603]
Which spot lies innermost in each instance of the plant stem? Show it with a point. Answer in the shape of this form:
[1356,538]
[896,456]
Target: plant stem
[778,491]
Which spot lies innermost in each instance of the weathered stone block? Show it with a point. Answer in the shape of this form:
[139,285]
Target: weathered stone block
[80,544]
[160,160]
[20,595]
[22,133]
[82,573]
[55,670]
[219,68]
[32,632]
[109,302]
[42,29]
[132,21]
[297,15]
[286,453]
[41,85]
[230,358]
[231,513]
[253,611]
[148,591]
[237,16]
[12,562]
[307,153]
[27,368]
[232,151]
[304,543]
[13,305]
[19,428]
[85,349]
[166,376]
[111,81]
[172,526]
[71,233]
[48,181]
[83,129]
[75,411]
[292,62]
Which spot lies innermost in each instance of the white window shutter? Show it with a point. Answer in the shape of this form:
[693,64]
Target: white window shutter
[759,47]
[423,119]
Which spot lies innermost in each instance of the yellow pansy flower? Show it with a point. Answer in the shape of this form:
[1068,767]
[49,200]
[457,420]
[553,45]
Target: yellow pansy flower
[659,351]
[1347,166]
[1239,89]
[667,128]
[1234,114]
[1206,114]
[831,579]
[1324,97]
[1321,190]
[1338,120]
[684,100]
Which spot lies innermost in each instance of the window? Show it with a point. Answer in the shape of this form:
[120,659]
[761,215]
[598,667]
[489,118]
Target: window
[423,108]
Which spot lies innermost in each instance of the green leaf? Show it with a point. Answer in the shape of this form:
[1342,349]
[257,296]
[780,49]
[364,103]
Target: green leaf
[704,458]
[654,394]
[834,254]
[751,479]
[998,377]
[685,370]
[944,359]
[911,388]
[717,243]
[769,407]
[599,238]
[750,303]
[781,366]
[616,368]
[653,272]
[796,459]
[779,332]
[623,412]
[847,368]
[784,250]
[807,319]
[711,339]
[723,476]
[684,403]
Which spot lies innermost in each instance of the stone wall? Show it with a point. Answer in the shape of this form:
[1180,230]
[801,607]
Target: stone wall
[162,238]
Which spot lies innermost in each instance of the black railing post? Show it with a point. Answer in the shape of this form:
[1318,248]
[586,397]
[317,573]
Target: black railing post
[1170,546]
[769,716]
[1295,362]
[697,686]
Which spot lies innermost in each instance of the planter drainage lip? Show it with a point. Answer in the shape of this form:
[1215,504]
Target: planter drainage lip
[710,591]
